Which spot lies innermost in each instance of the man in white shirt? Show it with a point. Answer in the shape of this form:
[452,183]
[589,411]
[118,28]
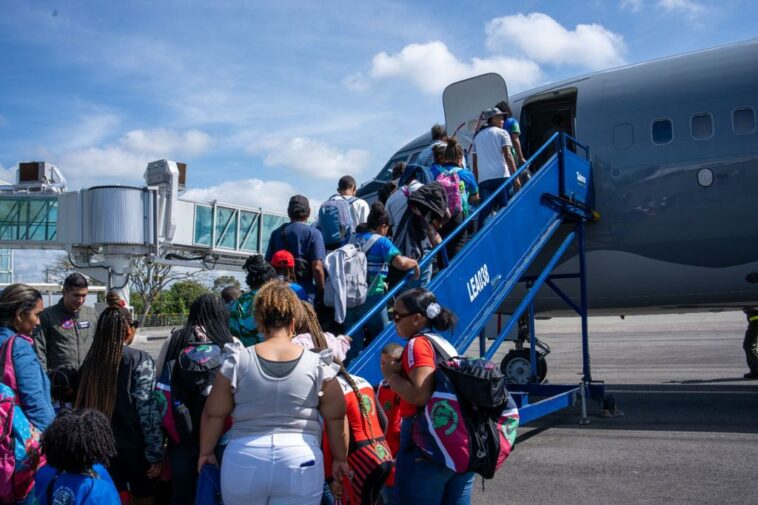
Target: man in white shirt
[493,161]
[359,209]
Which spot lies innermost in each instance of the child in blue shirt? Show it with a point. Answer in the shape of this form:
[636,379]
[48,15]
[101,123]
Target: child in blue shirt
[77,445]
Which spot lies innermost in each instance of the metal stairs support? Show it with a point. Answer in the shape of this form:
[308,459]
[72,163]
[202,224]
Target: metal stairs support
[478,279]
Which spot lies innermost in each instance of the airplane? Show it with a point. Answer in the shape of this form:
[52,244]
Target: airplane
[674,152]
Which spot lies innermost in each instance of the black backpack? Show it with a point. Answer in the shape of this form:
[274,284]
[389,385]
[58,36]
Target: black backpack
[193,373]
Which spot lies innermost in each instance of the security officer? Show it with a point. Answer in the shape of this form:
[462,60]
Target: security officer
[750,344]
[66,329]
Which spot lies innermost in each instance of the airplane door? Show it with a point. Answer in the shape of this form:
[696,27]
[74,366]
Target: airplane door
[464,101]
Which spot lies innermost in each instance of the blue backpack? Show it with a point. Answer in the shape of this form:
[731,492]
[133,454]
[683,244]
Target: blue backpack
[336,220]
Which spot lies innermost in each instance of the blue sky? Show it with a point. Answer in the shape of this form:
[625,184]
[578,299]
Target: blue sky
[266,99]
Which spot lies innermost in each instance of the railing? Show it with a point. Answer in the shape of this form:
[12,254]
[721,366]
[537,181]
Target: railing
[557,141]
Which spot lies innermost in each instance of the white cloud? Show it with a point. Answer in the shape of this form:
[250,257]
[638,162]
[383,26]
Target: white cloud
[353,82]
[311,157]
[632,5]
[544,40]
[7,175]
[89,130]
[29,264]
[268,195]
[687,7]
[126,159]
[162,140]
[432,66]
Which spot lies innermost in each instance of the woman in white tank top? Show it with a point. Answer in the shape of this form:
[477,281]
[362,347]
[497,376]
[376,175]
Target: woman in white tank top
[277,393]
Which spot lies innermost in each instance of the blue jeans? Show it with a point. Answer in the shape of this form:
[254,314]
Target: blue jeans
[371,330]
[419,481]
[486,189]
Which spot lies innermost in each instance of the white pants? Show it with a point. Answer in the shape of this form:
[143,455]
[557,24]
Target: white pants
[276,469]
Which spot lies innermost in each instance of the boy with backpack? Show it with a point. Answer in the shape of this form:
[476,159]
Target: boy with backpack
[340,215]
[305,243]
[369,247]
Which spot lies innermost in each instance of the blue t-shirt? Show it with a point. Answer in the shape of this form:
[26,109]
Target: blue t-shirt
[75,489]
[303,241]
[299,291]
[378,258]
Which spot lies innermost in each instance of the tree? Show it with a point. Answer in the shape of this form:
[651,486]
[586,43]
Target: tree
[222,281]
[150,279]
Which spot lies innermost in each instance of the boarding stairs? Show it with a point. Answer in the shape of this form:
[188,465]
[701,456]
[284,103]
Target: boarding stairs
[522,243]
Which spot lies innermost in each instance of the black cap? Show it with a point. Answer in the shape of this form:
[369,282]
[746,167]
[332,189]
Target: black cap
[298,207]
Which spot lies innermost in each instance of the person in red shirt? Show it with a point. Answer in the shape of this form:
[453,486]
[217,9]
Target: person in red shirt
[369,455]
[418,480]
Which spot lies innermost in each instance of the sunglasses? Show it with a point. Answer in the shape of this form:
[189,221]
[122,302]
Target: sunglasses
[134,324]
[397,317]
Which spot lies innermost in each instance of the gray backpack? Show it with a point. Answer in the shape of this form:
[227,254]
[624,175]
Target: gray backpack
[352,269]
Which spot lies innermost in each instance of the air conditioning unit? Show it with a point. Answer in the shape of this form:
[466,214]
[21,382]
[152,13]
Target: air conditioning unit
[40,176]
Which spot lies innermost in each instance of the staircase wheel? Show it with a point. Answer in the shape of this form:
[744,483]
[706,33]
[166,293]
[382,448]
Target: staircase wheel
[517,370]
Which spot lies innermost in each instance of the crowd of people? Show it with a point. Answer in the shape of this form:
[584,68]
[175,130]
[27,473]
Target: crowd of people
[250,400]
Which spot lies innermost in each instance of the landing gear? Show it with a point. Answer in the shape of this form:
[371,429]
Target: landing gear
[518,370]
[516,365]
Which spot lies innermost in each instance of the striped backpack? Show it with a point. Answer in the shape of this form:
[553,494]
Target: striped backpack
[471,421]
[20,453]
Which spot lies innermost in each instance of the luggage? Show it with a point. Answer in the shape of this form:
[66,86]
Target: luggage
[20,452]
[354,274]
[336,220]
[471,421]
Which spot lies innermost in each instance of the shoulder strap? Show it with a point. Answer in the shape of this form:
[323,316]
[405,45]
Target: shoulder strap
[370,242]
[6,358]
[440,353]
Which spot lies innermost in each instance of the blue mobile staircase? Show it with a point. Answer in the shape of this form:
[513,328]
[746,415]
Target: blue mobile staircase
[541,221]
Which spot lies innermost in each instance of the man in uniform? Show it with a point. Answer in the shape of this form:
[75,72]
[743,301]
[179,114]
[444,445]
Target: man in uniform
[67,328]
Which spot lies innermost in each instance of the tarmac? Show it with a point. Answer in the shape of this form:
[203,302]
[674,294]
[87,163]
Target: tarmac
[689,433]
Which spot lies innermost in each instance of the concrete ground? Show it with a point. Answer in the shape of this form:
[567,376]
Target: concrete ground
[690,430]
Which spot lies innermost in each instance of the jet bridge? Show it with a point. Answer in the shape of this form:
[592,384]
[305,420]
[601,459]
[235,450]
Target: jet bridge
[554,204]
[104,227]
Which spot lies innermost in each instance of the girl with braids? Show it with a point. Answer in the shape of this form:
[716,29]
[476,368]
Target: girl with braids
[20,306]
[242,318]
[368,454]
[277,393]
[307,322]
[78,446]
[118,381]
[418,480]
[206,322]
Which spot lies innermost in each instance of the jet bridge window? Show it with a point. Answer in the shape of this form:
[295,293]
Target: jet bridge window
[743,120]
[662,131]
[701,126]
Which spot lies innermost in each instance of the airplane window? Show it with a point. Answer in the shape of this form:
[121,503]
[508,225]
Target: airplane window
[662,131]
[623,136]
[743,120]
[701,126]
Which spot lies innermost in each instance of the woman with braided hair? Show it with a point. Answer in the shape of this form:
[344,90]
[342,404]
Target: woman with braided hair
[118,381]
[206,322]
[368,454]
